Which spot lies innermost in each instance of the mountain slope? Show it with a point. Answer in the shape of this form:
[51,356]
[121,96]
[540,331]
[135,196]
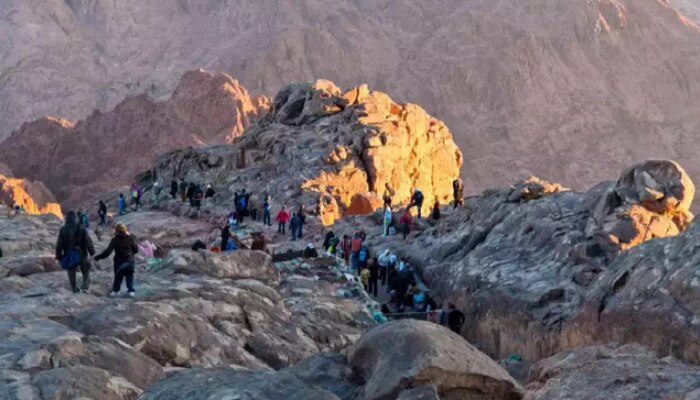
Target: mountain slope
[564,90]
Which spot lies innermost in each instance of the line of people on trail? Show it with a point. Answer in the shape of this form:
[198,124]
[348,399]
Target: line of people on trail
[74,247]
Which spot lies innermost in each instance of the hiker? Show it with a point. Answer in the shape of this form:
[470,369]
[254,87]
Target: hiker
[373,276]
[363,256]
[387,199]
[102,212]
[190,193]
[282,218]
[417,200]
[197,197]
[266,212]
[356,245]
[198,245]
[364,278]
[391,273]
[383,263]
[346,247]
[135,195]
[253,205]
[310,251]
[401,284]
[72,249]
[328,240]
[183,190]
[157,188]
[406,221]
[302,219]
[388,218]
[225,237]
[125,249]
[458,192]
[333,248]
[173,188]
[210,192]
[122,204]
[294,226]
[455,319]
[435,214]
[84,219]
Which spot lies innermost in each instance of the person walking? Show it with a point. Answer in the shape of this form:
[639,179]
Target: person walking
[388,218]
[125,248]
[373,276]
[383,263]
[121,203]
[295,226]
[346,247]
[225,237]
[458,192]
[157,188]
[183,190]
[135,195]
[417,200]
[72,249]
[406,221]
[302,220]
[173,189]
[253,205]
[102,212]
[266,212]
[282,218]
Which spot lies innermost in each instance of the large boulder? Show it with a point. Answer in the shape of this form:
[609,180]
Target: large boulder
[612,372]
[408,353]
[650,200]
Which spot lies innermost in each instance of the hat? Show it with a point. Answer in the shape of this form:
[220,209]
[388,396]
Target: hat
[310,246]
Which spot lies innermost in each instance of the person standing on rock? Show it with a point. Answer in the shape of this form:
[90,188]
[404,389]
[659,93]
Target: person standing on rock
[157,188]
[417,200]
[173,189]
[266,212]
[125,249]
[253,205]
[225,236]
[355,252]
[135,195]
[190,193]
[406,221]
[388,219]
[121,204]
[302,220]
[455,319]
[458,192]
[373,276]
[294,226]
[72,249]
[346,247]
[383,263]
[183,190]
[435,214]
[102,212]
[282,218]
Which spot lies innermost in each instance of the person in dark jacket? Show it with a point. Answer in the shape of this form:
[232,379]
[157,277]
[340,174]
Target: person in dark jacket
[294,225]
[75,237]
[210,192]
[373,276]
[302,220]
[328,241]
[225,236]
[455,319]
[435,214]
[125,248]
[173,189]
[266,212]
[310,251]
[102,212]
[458,192]
[190,193]
[183,190]
[417,201]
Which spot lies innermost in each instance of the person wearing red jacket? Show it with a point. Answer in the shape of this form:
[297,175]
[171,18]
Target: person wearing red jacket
[282,218]
[406,221]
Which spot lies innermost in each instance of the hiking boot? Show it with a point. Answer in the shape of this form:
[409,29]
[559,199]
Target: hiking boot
[113,294]
[131,294]
[86,291]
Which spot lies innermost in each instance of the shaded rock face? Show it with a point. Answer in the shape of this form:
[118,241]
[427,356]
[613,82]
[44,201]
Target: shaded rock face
[408,353]
[406,359]
[78,161]
[34,197]
[534,279]
[339,144]
[196,309]
[612,372]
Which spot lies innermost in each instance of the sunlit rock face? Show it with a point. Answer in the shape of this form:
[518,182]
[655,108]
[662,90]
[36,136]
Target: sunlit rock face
[322,147]
[80,161]
[34,197]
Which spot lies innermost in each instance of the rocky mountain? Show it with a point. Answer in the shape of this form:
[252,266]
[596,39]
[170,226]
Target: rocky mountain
[334,152]
[34,197]
[79,161]
[568,91]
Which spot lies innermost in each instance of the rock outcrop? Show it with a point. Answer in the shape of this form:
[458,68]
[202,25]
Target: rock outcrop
[80,161]
[612,372]
[33,197]
[346,149]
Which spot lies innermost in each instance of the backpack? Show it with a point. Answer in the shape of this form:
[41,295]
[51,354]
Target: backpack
[74,256]
[242,203]
[363,255]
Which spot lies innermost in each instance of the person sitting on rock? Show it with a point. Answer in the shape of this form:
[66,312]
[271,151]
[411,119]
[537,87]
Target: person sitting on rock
[72,249]
[125,248]
[210,192]
[310,251]
[435,214]
[121,204]
[282,218]
[417,200]
[455,319]
[458,192]
[406,220]
[294,226]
